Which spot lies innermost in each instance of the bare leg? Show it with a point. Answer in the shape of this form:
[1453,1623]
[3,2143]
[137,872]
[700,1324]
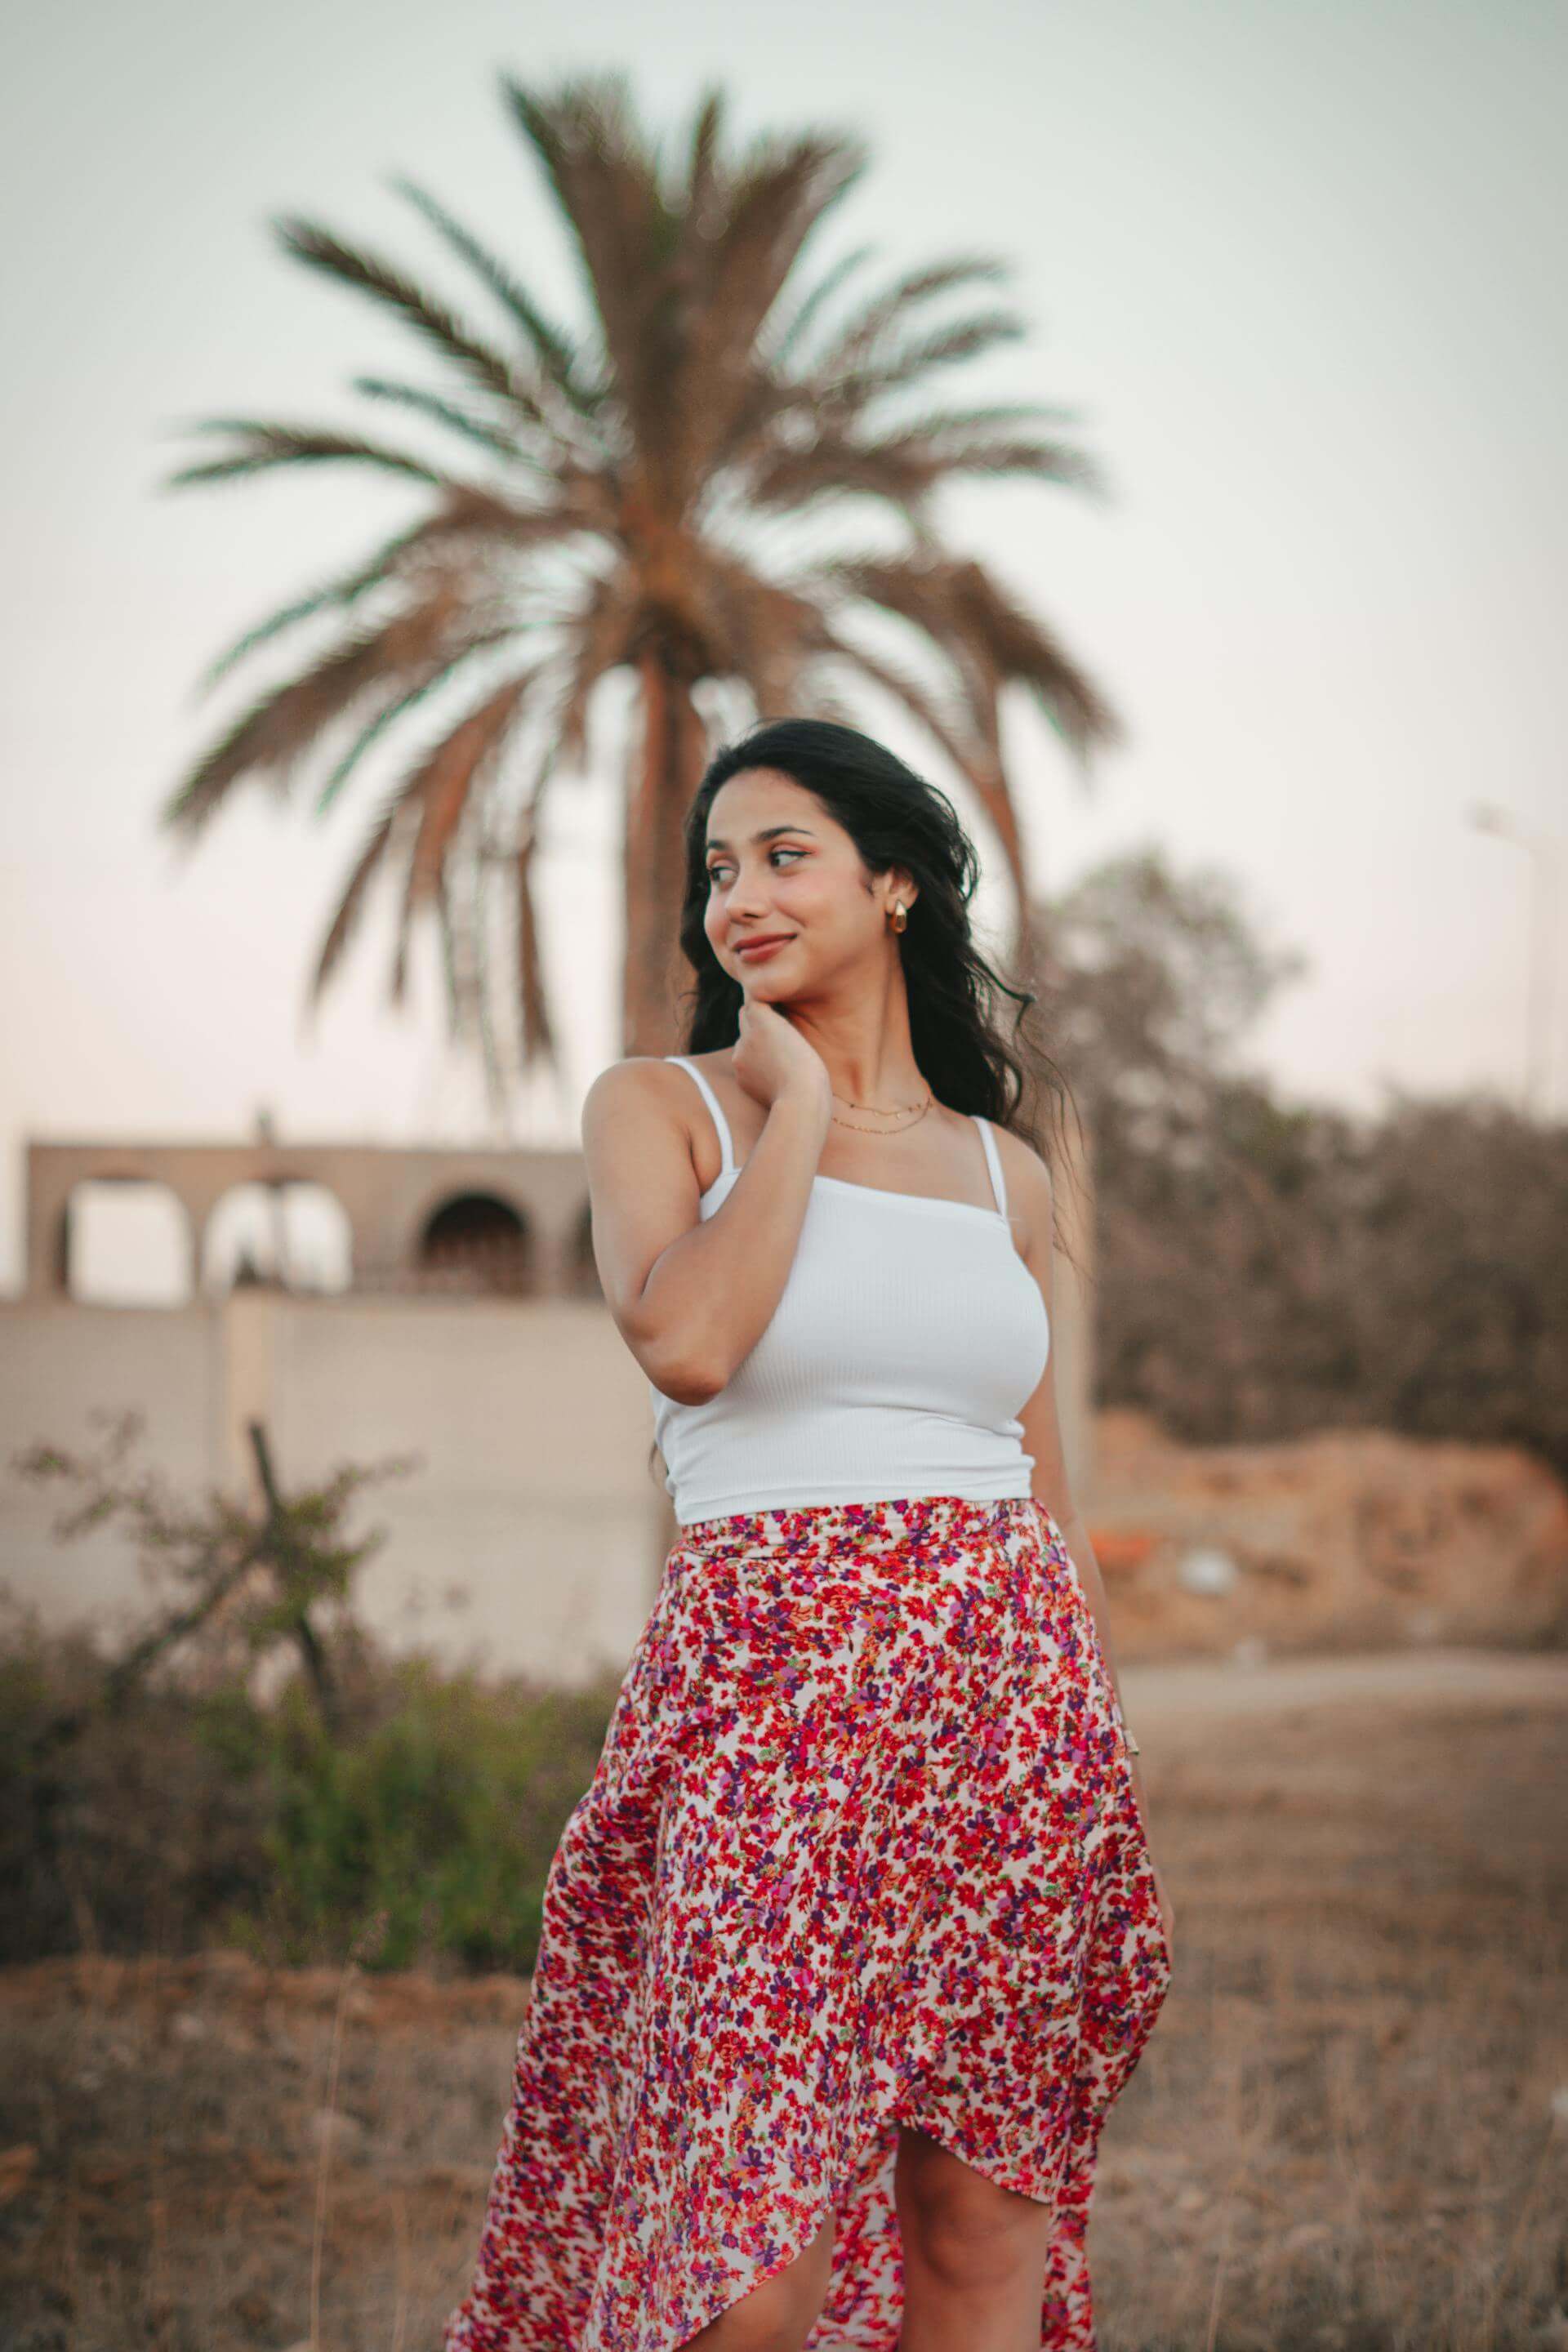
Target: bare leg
[975,2254]
[778,2316]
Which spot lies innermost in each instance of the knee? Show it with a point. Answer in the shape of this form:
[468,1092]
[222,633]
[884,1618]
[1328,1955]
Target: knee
[779,2315]
[772,2318]
[981,2241]
[763,2321]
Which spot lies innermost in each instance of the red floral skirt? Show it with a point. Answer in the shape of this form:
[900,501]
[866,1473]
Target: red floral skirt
[861,1850]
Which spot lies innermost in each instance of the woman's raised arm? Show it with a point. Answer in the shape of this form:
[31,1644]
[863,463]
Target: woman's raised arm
[692,1296]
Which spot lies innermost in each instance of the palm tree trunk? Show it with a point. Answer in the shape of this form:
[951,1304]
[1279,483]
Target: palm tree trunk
[670,767]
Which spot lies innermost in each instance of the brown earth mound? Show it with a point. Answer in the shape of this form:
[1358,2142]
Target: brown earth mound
[1347,1538]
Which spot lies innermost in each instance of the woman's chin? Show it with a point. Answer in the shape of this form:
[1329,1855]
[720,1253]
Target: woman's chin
[772,988]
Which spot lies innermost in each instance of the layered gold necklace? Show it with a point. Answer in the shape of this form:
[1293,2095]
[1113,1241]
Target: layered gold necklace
[919,1110]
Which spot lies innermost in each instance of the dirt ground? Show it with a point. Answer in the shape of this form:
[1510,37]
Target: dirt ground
[1349,2130]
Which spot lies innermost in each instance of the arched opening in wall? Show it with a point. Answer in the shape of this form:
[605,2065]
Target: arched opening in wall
[583,1274]
[476,1245]
[288,1236]
[125,1241]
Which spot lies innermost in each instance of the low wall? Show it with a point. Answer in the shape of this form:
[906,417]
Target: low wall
[534,1501]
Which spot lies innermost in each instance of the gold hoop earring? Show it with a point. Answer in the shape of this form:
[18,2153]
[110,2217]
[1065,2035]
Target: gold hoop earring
[901,915]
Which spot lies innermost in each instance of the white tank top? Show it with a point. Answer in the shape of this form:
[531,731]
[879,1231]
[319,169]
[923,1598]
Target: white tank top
[909,1334]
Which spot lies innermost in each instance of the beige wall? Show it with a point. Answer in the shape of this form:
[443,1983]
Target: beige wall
[535,1493]
[57,1362]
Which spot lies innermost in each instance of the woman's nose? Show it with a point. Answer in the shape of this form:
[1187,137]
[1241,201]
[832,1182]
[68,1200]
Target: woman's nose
[748,899]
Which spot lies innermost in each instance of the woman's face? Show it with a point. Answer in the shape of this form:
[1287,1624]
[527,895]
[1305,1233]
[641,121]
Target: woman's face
[780,867]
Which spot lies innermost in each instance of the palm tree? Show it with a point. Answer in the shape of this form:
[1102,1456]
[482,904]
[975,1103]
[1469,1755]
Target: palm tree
[644,496]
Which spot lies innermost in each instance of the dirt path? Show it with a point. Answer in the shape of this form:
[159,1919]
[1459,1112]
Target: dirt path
[1199,1688]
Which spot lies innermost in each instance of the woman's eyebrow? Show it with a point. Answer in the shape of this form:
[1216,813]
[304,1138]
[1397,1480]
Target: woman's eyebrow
[766,833]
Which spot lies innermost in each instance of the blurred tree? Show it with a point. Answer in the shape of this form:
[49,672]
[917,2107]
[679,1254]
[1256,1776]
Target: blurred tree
[644,494]
[1456,1283]
[1268,1268]
[1149,980]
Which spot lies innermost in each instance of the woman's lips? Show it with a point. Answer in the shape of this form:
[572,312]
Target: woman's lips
[762,948]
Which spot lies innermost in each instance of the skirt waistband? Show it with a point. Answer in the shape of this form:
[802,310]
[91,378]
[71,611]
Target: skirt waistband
[811,1528]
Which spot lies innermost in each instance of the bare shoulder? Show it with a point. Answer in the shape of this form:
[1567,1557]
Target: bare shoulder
[632,1097]
[639,1078]
[1031,1195]
[632,1079]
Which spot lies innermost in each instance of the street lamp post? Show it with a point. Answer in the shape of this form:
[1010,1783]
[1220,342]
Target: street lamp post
[1538,847]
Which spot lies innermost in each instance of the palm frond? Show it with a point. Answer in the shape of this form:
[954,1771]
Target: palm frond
[944,727]
[465,514]
[906,468]
[1043,461]
[987,633]
[837,467]
[761,630]
[447,413]
[861,336]
[1022,651]
[856,388]
[337,593]
[968,734]
[536,1028]
[990,415]
[270,737]
[451,961]
[442,784]
[351,904]
[773,204]
[265,446]
[367,274]
[799,323]
[601,636]
[398,705]
[734,255]
[491,519]
[781,413]
[549,344]
[702,170]
[596,158]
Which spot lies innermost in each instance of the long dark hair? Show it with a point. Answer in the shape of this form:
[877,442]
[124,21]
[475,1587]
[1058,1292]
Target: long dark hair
[895,818]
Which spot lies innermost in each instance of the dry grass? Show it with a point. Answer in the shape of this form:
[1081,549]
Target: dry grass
[1340,2135]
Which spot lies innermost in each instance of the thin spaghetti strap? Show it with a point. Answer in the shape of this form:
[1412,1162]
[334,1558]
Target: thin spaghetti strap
[993,1160]
[727,1150]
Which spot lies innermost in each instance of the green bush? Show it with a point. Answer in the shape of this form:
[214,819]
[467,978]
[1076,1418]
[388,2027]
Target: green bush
[443,1817]
[194,1815]
[154,1801]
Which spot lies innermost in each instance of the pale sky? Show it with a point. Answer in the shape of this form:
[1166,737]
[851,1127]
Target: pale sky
[1301,267]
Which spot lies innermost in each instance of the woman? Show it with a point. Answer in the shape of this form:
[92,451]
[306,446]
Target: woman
[857,1934]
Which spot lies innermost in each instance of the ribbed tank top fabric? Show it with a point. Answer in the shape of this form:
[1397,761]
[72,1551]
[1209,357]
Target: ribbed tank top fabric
[908,1335]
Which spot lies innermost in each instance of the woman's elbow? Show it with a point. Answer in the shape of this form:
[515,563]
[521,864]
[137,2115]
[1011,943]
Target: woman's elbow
[684,1380]
[679,1367]
[688,1386]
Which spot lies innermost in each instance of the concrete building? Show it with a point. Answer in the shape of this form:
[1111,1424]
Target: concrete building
[467,1328]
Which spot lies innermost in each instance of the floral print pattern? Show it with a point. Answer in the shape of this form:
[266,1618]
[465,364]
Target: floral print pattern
[861,1849]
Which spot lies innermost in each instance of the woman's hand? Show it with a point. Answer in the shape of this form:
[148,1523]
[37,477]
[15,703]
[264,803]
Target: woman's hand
[771,1057]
